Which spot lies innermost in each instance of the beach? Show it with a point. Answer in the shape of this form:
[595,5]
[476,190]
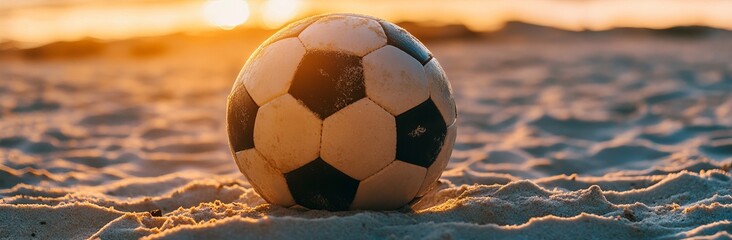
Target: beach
[617,134]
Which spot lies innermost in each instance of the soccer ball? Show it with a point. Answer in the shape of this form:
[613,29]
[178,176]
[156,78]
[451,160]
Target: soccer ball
[339,112]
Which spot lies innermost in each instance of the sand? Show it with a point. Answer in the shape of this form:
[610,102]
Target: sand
[561,135]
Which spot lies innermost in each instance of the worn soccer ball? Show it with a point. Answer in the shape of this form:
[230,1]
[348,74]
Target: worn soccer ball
[339,112]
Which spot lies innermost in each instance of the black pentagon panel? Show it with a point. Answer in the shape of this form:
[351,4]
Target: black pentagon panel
[292,30]
[317,185]
[400,38]
[327,81]
[420,134]
[241,111]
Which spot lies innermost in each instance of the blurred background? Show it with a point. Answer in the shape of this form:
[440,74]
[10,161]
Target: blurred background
[32,23]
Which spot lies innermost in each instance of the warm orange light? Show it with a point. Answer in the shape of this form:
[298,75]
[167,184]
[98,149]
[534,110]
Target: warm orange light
[226,14]
[278,12]
[40,22]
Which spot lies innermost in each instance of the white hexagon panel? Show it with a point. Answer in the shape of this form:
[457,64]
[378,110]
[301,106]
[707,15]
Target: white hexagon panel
[394,79]
[443,158]
[270,72]
[360,139]
[269,182]
[287,133]
[343,33]
[392,187]
[441,91]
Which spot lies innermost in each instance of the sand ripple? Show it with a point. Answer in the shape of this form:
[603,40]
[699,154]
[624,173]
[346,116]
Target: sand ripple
[569,139]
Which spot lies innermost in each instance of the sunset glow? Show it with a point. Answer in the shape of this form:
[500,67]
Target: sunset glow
[278,12]
[226,14]
[43,21]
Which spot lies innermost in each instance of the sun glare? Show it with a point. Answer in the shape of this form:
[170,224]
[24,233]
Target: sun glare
[278,12]
[226,14]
